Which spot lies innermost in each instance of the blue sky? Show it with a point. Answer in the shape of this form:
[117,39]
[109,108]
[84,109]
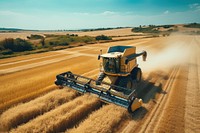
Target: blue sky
[81,14]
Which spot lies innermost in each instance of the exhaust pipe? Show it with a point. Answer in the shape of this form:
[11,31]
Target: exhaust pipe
[144,55]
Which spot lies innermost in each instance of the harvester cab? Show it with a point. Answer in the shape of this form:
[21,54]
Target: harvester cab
[119,74]
[120,63]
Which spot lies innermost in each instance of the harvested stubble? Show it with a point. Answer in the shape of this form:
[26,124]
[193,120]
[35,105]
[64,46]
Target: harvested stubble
[24,112]
[102,121]
[63,117]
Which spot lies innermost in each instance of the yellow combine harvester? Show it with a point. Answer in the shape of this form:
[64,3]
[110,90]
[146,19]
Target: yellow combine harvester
[119,73]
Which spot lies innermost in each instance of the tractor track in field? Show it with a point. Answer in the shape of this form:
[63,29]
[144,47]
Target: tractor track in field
[150,122]
[192,110]
[181,112]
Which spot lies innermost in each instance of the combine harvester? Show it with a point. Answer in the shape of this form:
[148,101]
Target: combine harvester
[119,74]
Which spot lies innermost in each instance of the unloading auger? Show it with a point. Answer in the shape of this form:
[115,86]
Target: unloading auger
[119,72]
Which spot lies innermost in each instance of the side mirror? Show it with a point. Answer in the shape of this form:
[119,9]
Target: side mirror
[99,57]
[100,54]
[126,61]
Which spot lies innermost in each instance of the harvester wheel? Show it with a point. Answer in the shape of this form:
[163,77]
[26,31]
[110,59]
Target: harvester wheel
[136,74]
[125,82]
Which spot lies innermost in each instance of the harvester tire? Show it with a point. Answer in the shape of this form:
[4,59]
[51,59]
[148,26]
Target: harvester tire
[125,82]
[136,74]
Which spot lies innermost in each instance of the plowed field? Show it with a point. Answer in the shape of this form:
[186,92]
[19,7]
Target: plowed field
[170,89]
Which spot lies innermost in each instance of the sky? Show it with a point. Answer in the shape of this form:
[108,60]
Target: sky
[84,14]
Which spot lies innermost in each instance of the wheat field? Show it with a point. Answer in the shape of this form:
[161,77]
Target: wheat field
[30,102]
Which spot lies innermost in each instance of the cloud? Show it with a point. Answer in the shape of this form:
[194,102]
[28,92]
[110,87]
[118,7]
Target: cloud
[108,13]
[105,13]
[166,12]
[195,6]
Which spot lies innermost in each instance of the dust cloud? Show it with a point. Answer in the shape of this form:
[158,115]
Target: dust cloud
[163,59]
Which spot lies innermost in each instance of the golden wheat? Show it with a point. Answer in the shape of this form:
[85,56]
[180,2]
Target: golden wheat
[103,120]
[22,85]
[24,112]
[62,117]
